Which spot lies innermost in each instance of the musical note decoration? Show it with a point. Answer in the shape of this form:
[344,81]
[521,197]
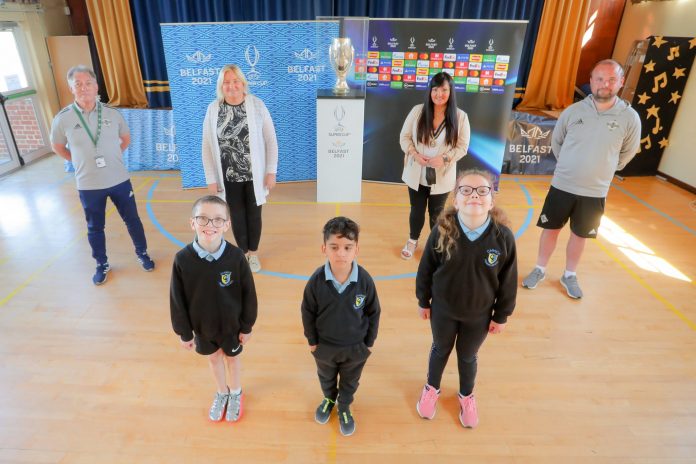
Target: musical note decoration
[658,93]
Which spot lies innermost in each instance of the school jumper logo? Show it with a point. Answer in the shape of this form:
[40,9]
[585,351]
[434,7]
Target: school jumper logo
[225,279]
[492,258]
[359,301]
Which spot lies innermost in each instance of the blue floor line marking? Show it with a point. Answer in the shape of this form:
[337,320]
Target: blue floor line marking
[649,206]
[530,211]
[154,220]
[283,275]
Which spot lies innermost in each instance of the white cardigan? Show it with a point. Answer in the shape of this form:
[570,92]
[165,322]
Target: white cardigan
[263,146]
[446,175]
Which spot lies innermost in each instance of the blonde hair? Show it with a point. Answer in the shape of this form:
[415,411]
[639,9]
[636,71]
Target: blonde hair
[447,221]
[221,78]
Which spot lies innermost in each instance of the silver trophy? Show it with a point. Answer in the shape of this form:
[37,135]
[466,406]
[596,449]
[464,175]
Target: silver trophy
[341,54]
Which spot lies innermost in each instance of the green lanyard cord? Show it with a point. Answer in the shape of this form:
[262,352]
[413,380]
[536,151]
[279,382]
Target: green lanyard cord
[94,139]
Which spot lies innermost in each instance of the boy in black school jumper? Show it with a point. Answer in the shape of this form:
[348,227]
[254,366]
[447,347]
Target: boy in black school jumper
[213,302]
[340,314]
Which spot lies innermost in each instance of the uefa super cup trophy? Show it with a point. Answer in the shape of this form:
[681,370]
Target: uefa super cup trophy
[341,53]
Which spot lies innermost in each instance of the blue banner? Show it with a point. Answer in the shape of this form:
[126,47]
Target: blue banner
[152,146]
[284,62]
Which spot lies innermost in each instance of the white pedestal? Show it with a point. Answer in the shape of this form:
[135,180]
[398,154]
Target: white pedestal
[339,147]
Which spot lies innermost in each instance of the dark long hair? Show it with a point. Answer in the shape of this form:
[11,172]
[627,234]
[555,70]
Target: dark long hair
[425,122]
[447,221]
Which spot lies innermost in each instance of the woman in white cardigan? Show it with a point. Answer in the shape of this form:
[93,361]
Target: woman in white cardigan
[240,156]
[434,137]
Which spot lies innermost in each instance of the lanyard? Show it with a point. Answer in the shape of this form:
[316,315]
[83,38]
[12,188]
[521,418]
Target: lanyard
[94,139]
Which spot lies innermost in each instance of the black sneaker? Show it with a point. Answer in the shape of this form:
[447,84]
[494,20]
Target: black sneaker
[323,412]
[99,276]
[145,261]
[346,422]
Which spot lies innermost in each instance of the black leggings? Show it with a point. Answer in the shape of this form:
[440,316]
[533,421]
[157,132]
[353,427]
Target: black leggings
[468,337]
[419,200]
[246,214]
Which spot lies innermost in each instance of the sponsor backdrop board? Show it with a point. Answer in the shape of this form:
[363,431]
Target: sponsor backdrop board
[528,148]
[284,62]
[483,58]
[152,146]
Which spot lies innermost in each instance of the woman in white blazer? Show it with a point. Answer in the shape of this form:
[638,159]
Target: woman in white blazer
[434,137]
[240,156]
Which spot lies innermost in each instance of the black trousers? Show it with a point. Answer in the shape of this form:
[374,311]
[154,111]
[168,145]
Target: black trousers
[339,369]
[467,337]
[246,214]
[419,201]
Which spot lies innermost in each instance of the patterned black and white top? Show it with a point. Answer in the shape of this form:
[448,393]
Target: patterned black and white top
[233,138]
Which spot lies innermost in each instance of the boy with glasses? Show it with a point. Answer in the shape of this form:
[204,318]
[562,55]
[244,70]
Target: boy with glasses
[213,302]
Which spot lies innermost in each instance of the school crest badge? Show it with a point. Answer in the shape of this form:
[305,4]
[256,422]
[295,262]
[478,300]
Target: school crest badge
[359,302]
[492,258]
[225,279]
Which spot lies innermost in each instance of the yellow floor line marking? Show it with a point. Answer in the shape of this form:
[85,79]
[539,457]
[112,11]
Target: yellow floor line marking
[55,257]
[647,286]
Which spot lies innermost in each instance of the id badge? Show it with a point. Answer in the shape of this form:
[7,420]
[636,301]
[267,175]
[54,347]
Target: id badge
[101,162]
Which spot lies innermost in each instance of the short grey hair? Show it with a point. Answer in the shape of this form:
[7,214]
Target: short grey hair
[80,68]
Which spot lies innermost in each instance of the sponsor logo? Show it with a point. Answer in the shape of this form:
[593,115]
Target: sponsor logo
[412,43]
[474,65]
[431,43]
[492,257]
[592,232]
[225,279]
[612,125]
[470,45]
[398,55]
[450,57]
[451,44]
[374,42]
[448,71]
[339,129]
[543,219]
[359,301]
[490,47]
[535,133]
[498,89]
[502,59]
[393,43]
[306,55]
[500,74]
[198,57]
[251,53]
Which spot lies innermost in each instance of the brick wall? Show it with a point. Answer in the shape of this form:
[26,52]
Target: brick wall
[25,125]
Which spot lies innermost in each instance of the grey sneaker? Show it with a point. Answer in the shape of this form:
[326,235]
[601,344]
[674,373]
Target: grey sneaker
[234,407]
[254,263]
[533,279]
[323,412]
[217,409]
[570,283]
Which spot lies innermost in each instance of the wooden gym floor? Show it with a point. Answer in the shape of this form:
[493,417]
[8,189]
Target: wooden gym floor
[95,374]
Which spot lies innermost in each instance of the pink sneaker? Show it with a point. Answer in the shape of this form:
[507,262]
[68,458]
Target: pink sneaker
[427,403]
[468,415]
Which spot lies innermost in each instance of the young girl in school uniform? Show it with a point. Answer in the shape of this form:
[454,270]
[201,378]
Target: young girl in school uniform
[466,286]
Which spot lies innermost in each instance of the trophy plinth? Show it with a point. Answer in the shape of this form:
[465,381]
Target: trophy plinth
[341,54]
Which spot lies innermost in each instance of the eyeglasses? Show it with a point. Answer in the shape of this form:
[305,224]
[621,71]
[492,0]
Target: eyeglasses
[204,221]
[481,190]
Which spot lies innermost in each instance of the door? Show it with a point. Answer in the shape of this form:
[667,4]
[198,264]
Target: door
[21,106]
